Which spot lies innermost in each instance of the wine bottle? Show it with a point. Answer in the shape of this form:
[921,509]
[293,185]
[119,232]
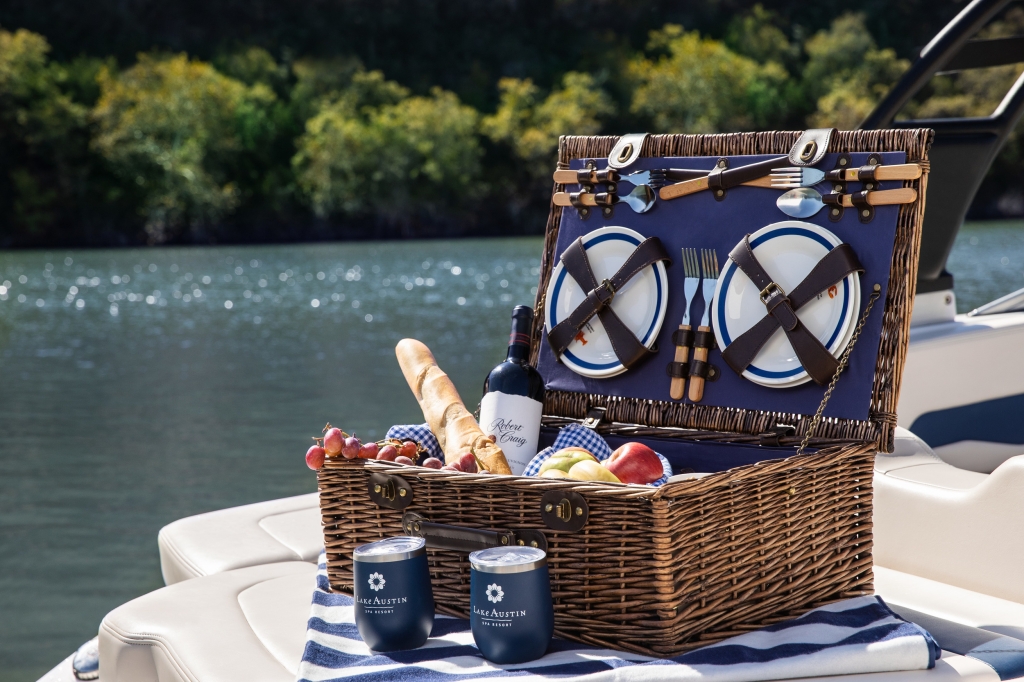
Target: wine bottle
[514,397]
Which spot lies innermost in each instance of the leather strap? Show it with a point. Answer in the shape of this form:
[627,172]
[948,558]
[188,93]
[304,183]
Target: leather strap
[626,346]
[816,359]
[699,368]
[678,370]
[703,339]
[459,538]
[682,337]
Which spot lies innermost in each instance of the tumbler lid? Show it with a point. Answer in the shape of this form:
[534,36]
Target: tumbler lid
[391,549]
[508,559]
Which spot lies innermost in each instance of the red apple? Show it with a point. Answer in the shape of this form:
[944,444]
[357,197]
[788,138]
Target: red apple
[334,441]
[315,457]
[635,463]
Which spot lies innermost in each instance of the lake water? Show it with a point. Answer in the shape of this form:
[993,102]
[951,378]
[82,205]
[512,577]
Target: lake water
[140,386]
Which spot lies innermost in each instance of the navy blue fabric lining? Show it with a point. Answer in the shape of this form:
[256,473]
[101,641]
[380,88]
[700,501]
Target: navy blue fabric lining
[701,222]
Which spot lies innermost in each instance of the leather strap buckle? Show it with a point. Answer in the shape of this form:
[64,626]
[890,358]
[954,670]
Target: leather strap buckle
[604,293]
[595,415]
[770,292]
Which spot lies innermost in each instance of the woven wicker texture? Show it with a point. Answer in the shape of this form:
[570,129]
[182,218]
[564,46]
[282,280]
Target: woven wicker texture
[662,570]
[895,324]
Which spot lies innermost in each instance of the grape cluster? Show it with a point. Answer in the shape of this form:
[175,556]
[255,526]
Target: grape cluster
[336,443]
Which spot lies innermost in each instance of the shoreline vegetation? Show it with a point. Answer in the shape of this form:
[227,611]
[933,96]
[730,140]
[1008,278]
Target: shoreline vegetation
[255,145]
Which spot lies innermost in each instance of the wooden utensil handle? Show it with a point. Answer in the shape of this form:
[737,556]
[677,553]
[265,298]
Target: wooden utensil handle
[697,383]
[562,199]
[902,171]
[681,189]
[678,385]
[886,197]
[566,177]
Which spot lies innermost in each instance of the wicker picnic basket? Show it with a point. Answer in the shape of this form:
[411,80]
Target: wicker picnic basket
[659,571]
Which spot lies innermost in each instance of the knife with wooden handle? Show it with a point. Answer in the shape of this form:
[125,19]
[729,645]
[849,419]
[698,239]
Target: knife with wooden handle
[903,171]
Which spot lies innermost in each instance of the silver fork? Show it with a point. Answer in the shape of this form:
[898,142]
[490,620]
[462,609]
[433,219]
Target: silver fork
[691,268]
[791,177]
[709,265]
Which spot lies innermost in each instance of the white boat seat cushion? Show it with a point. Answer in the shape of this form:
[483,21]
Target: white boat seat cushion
[247,624]
[250,624]
[266,532]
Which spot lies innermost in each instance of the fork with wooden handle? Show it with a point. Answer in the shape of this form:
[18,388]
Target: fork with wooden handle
[691,268]
[790,177]
[709,264]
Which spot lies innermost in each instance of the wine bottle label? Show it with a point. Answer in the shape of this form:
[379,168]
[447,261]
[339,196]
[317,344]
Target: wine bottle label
[514,421]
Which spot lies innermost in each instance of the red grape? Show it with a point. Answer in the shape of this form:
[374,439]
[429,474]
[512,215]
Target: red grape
[369,451]
[433,463]
[388,453]
[315,457]
[403,460]
[467,463]
[450,467]
[409,449]
[333,442]
[350,449]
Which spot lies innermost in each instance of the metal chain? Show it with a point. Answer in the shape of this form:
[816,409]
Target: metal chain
[843,360]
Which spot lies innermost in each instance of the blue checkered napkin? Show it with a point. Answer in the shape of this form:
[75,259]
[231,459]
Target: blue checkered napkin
[579,436]
[420,433]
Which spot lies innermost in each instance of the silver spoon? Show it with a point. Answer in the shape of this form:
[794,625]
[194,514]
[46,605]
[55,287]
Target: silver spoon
[641,199]
[802,202]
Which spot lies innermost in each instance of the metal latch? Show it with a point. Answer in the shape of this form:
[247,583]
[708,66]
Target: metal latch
[595,415]
[389,491]
[564,510]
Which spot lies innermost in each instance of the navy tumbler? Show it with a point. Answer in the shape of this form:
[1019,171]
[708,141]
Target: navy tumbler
[511,613]
[394,605]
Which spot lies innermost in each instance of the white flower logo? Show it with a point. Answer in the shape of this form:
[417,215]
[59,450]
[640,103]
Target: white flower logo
[494,593]
[376,581]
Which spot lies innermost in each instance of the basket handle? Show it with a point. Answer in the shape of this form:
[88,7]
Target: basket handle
[466,540]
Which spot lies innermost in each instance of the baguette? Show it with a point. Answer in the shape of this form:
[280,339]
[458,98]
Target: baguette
[453,425]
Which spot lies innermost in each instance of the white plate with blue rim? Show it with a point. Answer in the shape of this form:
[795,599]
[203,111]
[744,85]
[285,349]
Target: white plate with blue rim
[787,250]
[640,304]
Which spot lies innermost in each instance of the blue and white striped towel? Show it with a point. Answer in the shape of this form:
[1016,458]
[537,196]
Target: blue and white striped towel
[571,436]
[854,636]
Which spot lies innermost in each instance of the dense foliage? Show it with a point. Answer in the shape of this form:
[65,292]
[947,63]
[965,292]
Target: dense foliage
[260,143]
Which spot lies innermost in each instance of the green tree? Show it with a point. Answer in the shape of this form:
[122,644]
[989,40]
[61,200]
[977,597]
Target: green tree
[373,149]
[531,126]
[846,74]
[699,85]
[43,137]
[178,130]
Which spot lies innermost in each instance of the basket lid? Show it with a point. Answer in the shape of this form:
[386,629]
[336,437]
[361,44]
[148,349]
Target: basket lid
[863,404]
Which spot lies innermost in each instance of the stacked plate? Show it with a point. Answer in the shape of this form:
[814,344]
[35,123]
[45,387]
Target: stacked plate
[787,251]
[640,304]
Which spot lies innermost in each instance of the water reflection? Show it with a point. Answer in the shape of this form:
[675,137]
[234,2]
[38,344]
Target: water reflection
[142,386]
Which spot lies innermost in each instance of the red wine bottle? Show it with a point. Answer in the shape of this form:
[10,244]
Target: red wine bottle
[514,397]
